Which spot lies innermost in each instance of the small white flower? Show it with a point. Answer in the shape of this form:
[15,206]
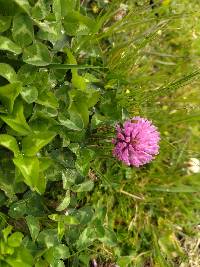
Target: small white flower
[193,165]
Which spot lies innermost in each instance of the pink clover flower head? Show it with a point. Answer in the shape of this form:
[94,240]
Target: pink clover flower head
[136,142]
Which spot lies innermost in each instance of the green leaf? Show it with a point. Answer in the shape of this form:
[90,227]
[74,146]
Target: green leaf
[66,6]
[77,80]
[83,160]
[34,142]
[8,94]
[6,231]
[67,219]
[15,239]
[21,258]
[86,237]
[29,167]
[8,45]
[75,123]
[58,252]
[17,120]
[9,142]
[65,202]
[37,54]
[24,4]
[47,99]
[22,30]
[27,74]
[84,214]
[29,94]
[41,9]
[48,237]
[8,72]
[123,261]
[86,186]
[76,24]
[45,163]
[69,177]
[33,225]
[5,22]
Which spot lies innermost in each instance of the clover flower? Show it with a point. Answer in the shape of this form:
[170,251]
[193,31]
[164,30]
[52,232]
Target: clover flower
[136,142]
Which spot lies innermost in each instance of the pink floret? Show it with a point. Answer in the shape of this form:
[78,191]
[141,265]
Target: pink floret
[137,142]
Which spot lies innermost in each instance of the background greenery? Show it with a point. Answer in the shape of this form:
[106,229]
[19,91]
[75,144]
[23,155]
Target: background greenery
[69,71]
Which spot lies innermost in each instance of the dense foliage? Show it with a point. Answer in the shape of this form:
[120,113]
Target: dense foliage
[69,71]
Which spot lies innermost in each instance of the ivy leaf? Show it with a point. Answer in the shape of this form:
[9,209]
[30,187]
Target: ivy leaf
[29,167]
[24,4]
[27,74]
[5,22]
[47,99]
[65,202]
[8,94]
[75,123]
[66,6]
[34,142]
[37,54]
[15,239]
[29,94]
[22,31]
[56,253]
[48,237]
[8,45]
[86,186]
[76,24]
[33,225]
[69,177]
[40,10]
[17,120]
[67,219]
[8,72]
[9,142]
[6,231]
[22,257]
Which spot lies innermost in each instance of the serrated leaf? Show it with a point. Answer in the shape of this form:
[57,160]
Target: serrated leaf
[37,54]
[33,225]
[8,45]
[9,142]
[22,30]
[31,144]
[8,94]
[17,120]
[86,186]
[8,72]
[5,22]
[65,202]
